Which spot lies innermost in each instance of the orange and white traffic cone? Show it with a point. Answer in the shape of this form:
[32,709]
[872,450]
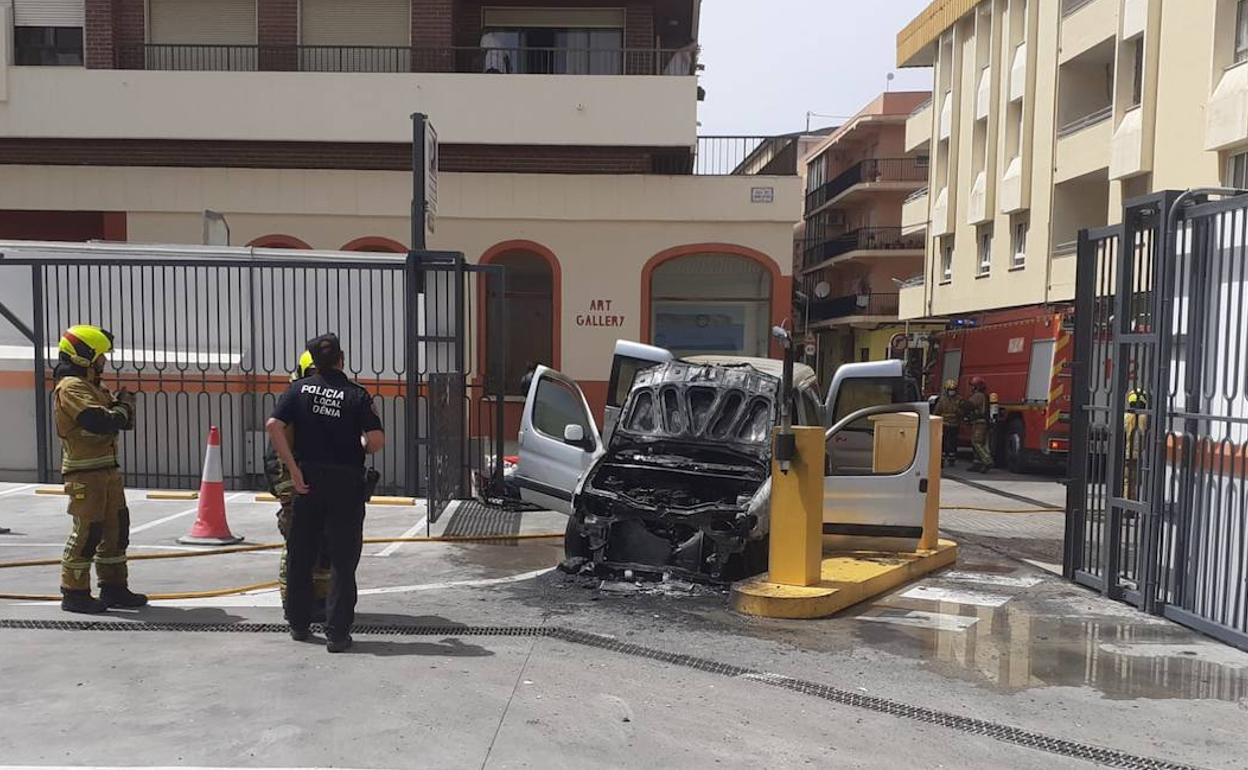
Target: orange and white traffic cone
[210,526]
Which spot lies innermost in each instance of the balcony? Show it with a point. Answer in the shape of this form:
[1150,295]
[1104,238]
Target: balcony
[914,213]
[1084,145]
[460,59]
[852,309]
[919,128]
[893,174]
[866,242]
[1086,24]
[912,300]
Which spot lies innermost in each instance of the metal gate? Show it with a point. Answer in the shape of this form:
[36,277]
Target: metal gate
[211,338]
[1158,499]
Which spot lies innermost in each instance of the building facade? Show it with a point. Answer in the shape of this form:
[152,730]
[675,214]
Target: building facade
[1046,117]
[852,247]
[568,151]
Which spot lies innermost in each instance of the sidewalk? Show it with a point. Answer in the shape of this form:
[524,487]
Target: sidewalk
[1005,512]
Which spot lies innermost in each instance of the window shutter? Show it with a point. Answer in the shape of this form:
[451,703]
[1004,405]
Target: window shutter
[359,23]
[203,22]
[48,13]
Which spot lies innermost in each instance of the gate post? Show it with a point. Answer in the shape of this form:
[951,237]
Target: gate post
[1077,488]
[413,276]
[41,365]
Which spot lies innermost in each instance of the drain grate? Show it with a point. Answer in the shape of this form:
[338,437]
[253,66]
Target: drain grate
[475,519]
[970,725]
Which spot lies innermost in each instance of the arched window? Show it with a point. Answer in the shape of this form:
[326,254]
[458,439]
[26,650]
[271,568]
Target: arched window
[711,303]
[277,241]
[528,315]
[376,245]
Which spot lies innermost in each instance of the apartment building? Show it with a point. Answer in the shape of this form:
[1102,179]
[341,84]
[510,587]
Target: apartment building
[568,152]
[853,248]
[1046,116]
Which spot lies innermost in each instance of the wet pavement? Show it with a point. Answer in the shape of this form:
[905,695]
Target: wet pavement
[662,674]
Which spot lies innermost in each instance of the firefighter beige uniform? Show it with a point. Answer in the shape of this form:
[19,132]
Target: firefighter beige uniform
[101,530]
[977,413]
[283,489]
[949,409]
[1135,432]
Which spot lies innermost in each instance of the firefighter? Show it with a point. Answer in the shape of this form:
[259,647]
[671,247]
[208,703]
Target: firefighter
[977,415]
[335,426]
[949,408]
[88,419]
[280,487]
[1134,431]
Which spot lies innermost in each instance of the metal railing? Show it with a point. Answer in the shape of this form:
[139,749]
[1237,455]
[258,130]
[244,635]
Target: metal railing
[819,249]
[1070,6]
[869,170]
[731,156]
[916,195]
[853,305]
[1085,121]
[462,59]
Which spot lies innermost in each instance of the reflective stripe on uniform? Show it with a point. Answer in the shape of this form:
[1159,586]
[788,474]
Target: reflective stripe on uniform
[69,465]
[110,559]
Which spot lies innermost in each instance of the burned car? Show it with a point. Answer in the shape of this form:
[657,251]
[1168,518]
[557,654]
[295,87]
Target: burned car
[680,484]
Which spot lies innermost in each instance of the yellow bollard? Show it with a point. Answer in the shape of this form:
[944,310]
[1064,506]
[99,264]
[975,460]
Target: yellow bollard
[931,505]
[797,513]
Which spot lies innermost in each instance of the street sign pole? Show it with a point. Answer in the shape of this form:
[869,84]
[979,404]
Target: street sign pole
[419,201]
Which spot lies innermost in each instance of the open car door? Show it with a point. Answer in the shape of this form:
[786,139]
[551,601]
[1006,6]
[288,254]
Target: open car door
[858,386]
[629,358]
[884,499]
[558,441]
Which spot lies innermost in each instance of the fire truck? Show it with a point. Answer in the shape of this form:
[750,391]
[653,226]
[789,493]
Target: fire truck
[1025,357]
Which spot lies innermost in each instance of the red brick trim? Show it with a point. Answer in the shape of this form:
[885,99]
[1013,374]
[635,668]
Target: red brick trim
[376,244]
[781,285]
[378,156]
[433,31]
[277,32]
[278,241]
[114,225]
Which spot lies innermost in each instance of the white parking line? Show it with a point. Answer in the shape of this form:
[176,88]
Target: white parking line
[179,514]
[411,532]
[15,490]
[1011,581]
[133,546]
[919,619]
[936,594]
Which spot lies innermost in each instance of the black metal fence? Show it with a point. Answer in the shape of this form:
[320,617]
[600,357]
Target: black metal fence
[365,58]
[868,171]
[211,340]
[818,248]
[732,156]
[873,305]
[1158,500]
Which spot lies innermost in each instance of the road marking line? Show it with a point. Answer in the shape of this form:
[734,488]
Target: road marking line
[15,490]
[133,546]
[411,532]
[1021,581]
[953,596]
[919,619]
[178,515]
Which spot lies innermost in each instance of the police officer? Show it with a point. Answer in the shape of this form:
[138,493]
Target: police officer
[977,414]
[88,419]
[281,487]
[949,409]
[334,425]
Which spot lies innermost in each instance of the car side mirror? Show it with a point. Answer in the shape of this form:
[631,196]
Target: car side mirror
[574,435]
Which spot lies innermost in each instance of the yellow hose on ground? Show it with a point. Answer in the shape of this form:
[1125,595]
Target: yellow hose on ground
[257,547]
[1001,510]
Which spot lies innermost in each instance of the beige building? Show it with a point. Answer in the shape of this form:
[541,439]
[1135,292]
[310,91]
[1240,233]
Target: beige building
[568,151]
[1046,116]
[852,245]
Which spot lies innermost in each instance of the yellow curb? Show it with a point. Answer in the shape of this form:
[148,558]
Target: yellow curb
[173,494]
[265,497]
[846,579]
[50,491]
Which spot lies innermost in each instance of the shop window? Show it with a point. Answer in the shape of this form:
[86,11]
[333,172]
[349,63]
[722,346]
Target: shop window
[47,46]
[527,316]
[711,303]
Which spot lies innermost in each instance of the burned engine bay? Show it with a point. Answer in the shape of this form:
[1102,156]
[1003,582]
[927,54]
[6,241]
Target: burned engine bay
[676,490]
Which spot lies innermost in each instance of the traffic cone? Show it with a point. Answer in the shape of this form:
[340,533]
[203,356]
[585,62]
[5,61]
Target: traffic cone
[210,527]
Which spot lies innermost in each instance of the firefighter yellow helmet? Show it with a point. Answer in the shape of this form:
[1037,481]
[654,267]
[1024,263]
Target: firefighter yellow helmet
[1137,399]
[81,344]
[951,384]
[304,366]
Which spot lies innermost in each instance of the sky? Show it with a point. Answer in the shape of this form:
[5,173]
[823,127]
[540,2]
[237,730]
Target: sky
[770,61]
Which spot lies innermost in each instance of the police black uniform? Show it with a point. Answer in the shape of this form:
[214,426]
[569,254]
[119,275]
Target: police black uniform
[329,413]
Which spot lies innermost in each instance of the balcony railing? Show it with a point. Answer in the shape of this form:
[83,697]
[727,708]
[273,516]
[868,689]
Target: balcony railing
[916,195]
[874,305]
[331,58]
[731,156]
[1091,119]
[870,170]
[819,250]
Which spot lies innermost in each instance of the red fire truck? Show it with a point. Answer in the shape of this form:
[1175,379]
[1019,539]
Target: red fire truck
[1024,355]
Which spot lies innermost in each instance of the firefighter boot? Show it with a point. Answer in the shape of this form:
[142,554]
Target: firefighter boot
[121,596]
[81,601]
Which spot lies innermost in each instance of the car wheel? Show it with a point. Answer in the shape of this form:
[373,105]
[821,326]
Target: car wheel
[1015,454]
[575,545]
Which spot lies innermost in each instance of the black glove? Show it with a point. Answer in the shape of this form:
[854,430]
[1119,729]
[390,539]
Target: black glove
[126,400]
[372,477]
